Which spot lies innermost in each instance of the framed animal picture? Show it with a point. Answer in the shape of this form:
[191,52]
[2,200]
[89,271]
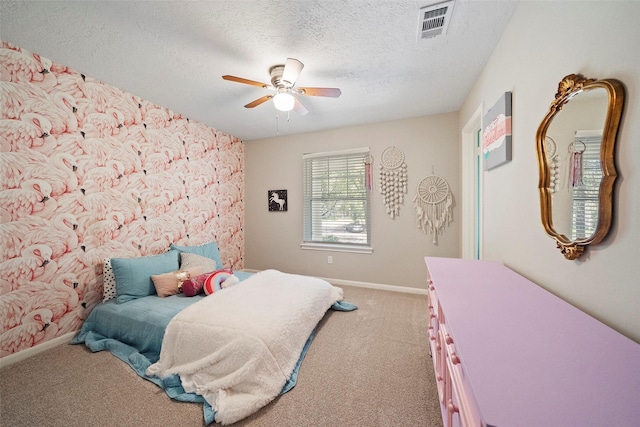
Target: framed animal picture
[277,200]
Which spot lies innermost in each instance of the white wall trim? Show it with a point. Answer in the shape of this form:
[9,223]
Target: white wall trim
[469,184]
[336,248]
[32,351]
[392,288]
[342,282]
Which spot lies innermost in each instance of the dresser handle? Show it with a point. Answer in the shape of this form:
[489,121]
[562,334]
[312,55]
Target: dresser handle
[448,339]
[451,407]
[455,359]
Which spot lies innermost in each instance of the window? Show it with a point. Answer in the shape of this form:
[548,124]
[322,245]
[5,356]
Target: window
[336,201]
[584,195]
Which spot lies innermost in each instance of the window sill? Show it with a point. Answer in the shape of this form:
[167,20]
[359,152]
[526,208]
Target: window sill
[336,247]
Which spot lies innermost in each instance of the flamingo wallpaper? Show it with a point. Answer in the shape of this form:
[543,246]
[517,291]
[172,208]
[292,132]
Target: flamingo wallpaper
[91,172]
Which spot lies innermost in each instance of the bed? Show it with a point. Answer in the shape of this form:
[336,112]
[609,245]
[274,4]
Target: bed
[234,351]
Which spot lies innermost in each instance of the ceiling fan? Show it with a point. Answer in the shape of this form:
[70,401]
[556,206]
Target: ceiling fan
[283,80]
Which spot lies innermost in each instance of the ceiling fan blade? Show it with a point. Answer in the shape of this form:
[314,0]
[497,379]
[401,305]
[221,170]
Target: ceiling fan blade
[245,81]
[332,92]
[258,101]
[292,70]
[300,109]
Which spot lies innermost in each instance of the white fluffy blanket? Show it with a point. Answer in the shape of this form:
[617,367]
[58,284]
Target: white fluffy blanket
[239,346]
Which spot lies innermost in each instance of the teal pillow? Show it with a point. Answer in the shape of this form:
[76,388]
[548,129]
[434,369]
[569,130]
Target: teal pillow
[133,275]
[209,250]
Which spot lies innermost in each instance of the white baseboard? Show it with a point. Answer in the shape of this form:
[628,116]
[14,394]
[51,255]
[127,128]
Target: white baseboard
[341,282]
[392,288]
[32,351]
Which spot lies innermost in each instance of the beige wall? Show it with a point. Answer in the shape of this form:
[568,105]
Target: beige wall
[272,239]
[544,42]
[540,46]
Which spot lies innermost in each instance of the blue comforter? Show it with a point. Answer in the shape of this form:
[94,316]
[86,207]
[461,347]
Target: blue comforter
[133,332]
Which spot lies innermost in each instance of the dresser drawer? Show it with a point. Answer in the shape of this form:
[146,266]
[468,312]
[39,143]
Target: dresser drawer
[465,402]
[456,399]
[440,365]
[432,329]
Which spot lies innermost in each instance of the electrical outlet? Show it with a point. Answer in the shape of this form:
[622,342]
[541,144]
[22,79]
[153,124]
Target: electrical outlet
[329,259]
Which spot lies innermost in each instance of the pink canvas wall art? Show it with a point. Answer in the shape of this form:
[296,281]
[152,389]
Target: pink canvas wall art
[496,135]
[88,172]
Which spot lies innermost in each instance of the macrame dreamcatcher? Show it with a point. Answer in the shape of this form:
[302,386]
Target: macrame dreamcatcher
[434,205]
[393,179]
[551,150]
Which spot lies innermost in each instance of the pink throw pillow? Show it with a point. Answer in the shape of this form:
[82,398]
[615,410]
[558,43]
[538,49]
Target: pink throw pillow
[172,283]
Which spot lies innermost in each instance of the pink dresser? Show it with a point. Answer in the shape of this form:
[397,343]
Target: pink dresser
[508,353]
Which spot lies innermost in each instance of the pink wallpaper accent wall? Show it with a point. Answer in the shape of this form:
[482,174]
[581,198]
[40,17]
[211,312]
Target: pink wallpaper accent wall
[91,172]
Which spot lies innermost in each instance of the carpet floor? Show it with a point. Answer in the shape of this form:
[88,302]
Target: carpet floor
[369,367]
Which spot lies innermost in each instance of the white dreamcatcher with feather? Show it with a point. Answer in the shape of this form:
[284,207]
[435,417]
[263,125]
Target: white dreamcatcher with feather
[393,179]
[434,205]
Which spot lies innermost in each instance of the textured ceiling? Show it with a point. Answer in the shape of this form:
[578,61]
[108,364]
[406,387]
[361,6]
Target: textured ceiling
[174,53]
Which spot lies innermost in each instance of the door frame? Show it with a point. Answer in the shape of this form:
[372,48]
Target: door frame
[472,166]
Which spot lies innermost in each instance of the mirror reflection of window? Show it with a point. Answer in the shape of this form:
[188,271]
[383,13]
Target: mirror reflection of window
[576,189]
[585,183]
[586,110]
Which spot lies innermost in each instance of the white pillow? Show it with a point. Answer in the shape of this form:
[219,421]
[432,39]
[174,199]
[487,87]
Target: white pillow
[108,281]
[189,260]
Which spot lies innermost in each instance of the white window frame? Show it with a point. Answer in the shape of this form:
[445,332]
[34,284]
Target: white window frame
[307,239]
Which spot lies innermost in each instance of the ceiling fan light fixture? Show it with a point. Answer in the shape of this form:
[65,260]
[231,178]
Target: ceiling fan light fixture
[284,101]
[283,79]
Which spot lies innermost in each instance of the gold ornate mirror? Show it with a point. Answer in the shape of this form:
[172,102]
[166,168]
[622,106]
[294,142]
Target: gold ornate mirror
[576,144]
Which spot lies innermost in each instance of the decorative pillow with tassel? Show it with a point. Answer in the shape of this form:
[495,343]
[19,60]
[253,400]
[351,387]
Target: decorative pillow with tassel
[194,285]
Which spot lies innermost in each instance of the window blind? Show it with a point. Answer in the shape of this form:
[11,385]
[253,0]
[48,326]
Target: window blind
[336,200]
[584,198]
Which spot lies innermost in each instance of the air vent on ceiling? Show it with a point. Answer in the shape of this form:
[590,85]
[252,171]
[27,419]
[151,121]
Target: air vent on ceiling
[434,19]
